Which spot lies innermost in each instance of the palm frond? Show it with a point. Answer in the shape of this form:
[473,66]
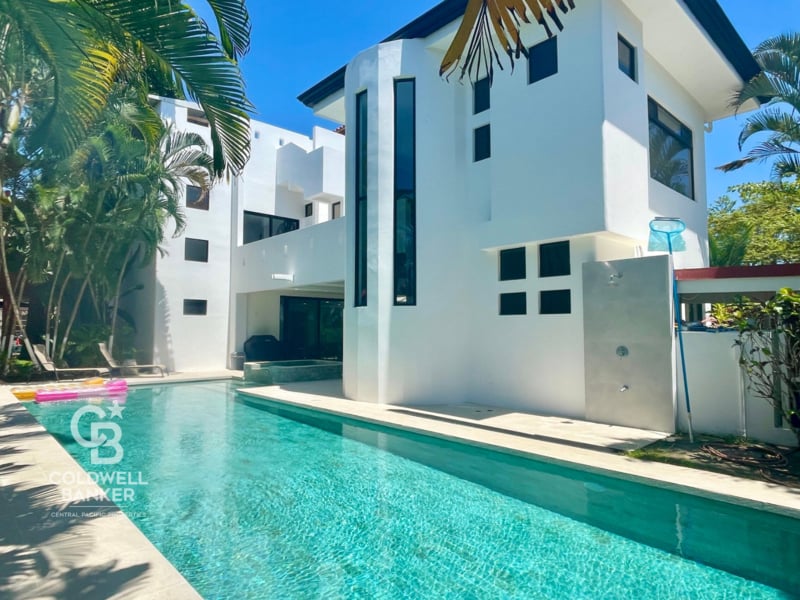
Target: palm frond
[489,23]
[233,21]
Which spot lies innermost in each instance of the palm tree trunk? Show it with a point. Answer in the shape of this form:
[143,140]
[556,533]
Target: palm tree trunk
[49,313]
[115,306]
[7,277]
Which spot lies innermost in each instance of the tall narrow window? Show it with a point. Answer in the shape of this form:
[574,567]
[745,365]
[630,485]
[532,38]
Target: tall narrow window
[671,157]
[482,143]
[336,210]
[481,97]
[361,200]
[627,57]
[405,194]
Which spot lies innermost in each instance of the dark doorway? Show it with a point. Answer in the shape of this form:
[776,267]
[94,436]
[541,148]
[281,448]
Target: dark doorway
[311,327]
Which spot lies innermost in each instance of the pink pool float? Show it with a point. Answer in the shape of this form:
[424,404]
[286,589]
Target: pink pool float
[113,387]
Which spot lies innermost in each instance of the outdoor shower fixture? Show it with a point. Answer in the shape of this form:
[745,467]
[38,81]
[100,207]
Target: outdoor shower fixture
[613,279]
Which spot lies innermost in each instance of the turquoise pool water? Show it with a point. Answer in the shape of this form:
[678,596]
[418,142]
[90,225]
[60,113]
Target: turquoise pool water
[248,503]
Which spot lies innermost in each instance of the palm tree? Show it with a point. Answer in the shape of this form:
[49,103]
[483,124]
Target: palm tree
[489,22]
[89,45]
[777,88]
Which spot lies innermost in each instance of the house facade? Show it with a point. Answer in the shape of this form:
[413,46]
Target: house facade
[496,243]
[213,286]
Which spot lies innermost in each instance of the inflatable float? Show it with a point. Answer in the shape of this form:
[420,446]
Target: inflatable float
[88,389]
[29,392]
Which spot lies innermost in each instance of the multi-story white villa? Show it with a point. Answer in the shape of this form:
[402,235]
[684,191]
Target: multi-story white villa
[495,247]
[482,221]
[215,285]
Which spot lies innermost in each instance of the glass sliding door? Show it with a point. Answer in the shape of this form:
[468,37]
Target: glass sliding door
[311,327]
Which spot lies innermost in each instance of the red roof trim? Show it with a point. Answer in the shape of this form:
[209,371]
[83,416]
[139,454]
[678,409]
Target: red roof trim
[789,270]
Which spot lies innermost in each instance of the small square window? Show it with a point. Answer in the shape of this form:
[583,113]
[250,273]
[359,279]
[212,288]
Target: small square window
[336,210]
[555,302]
[554,259]
[543,60]
[195,307]
[195,250]
[309,209]
[480,96]
[512,264]
[627,57]
[513,304]
[196,197]
[482,143]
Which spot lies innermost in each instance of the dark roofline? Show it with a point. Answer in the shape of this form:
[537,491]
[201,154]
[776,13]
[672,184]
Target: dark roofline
[708,13]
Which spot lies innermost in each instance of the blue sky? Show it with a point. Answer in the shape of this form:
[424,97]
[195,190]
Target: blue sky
[296,45]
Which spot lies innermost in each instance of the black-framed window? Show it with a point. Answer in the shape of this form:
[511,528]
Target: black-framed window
[481,96]
[554,259]
[195,250]
[555,302]
[482,143]
[197,117]
[195,307]
[336,210]
[514,303]
[196,197]
[512,264]
[627,57]
[543,60]
[309,209]
[671,152]
[361,200]
[259,226]
[405,193]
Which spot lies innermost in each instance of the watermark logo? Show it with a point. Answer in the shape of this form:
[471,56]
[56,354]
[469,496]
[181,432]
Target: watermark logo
[98,430]
[105,444]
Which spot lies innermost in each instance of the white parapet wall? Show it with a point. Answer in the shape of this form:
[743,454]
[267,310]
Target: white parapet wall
[720,398]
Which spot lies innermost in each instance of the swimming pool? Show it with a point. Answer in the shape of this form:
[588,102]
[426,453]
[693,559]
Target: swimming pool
[248,503]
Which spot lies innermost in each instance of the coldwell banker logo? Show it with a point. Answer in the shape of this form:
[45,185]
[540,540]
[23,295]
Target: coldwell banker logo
[105,444]
[98,430]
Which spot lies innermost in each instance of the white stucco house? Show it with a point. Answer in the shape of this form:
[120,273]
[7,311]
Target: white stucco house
[472,243]
[214,281]
[496,239]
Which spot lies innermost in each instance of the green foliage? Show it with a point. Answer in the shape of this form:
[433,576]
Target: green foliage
[763,228]
[777,124]
[769,340]
[87,47]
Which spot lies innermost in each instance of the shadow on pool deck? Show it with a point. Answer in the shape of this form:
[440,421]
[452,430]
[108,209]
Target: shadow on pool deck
[55,546]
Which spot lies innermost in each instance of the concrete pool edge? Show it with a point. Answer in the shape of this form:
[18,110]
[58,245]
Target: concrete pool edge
[744,492]
[95,546]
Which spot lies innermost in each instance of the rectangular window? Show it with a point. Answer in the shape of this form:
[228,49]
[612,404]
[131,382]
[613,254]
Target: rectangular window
[555,302]
[361,200]
[309,209]
[196,197]
[543,60]
[195,307]
[258,226]
[198,117]
[336,210]
[482,143]
[512,264]
[513,304]
[195,250]
[480,96]
[554,259]
[405,193]
[627,57]
[671,154]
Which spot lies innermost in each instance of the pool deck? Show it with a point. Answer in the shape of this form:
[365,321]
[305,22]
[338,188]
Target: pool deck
[52,546]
